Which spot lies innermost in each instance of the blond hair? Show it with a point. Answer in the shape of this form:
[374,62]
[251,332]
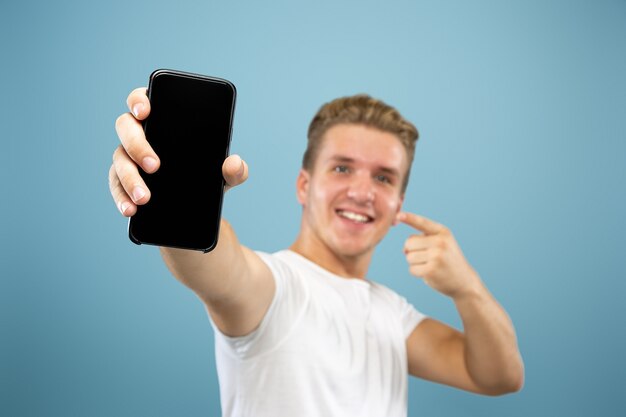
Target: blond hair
[363,110]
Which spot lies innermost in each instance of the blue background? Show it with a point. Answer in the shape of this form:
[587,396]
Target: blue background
[521,108]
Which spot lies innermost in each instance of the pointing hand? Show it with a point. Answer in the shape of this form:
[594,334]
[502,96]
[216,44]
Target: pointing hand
[436,256]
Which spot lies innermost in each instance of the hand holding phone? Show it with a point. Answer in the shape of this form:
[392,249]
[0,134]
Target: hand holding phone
[188,128]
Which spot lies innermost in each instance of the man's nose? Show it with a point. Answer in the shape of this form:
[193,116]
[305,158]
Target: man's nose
[361,190]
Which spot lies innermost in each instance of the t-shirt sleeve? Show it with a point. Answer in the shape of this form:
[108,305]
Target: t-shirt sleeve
[410,317]
[289,299]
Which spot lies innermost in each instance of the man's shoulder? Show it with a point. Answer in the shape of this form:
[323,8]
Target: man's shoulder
[288,271]
[277,260]
[286,259]
[385,292]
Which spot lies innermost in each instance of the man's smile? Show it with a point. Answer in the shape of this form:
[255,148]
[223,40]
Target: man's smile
[355,217]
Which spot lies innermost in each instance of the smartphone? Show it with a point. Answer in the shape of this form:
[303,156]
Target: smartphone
[189,128]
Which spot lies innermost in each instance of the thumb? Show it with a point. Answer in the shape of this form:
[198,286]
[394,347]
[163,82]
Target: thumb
[235,171]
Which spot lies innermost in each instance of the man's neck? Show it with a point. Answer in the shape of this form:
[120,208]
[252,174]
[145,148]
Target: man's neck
[346,266]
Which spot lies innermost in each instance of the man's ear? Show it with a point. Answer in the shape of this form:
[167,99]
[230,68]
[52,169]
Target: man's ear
[398,209]
[302,185]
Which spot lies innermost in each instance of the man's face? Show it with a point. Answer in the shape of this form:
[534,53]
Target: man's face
[352,195]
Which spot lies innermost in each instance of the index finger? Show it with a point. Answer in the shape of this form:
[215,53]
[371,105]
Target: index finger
[420,223]
[134,141]
[138,103]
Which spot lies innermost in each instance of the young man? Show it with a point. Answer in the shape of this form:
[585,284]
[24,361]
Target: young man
[302,331]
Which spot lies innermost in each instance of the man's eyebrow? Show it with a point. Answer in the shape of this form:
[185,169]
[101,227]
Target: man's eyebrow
[391,171]
[339,158]
[346,159]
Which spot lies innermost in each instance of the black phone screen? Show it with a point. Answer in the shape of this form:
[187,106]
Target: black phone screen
[189,128]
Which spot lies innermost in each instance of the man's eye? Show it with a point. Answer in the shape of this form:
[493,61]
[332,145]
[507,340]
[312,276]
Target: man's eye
[383,178]
[341,168]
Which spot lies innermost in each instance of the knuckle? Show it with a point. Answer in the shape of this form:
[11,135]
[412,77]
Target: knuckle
[118,193]
[133,146]
[117,152]
[119,196]
[127,176]
[118,122]
[121,121]
[112,176]
[138,93]
[410,242]
[414,257]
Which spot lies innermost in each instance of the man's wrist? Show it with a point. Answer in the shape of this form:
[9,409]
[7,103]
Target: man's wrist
[476,292]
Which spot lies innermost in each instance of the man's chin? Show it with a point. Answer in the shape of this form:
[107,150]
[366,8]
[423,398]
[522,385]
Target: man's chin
[354,250]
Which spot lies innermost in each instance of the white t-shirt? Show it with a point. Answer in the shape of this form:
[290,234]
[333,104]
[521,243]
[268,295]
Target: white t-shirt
[328,346]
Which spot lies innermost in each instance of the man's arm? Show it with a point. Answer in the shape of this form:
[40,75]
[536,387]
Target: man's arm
[484,358]
[234,283]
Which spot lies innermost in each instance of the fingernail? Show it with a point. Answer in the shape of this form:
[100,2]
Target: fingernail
[138,193]
[124,206]
[137,108]
[149,164]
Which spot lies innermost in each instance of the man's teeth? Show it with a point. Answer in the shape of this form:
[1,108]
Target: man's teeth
[353,216]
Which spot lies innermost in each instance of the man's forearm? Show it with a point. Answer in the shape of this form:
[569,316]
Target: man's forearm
[210,275]
[491,351]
